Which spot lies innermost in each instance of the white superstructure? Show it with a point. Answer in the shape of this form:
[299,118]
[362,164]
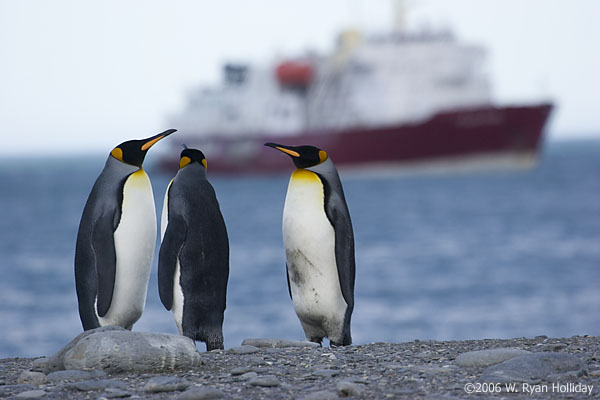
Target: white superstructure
[374,81]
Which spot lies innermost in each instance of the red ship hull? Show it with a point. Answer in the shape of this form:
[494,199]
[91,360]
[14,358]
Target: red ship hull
[453,135]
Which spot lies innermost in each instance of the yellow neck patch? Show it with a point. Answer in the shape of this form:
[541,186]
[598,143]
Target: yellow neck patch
[184,161]
[204,163]
[304,175]
[117,153]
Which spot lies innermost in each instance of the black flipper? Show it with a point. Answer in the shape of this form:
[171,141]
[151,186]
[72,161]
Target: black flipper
[170,248]
[339,217]
[103,245]
[287,275]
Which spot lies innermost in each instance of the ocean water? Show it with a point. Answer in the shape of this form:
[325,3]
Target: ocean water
[439,256]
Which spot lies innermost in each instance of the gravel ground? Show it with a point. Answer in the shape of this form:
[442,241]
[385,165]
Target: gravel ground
[412,370]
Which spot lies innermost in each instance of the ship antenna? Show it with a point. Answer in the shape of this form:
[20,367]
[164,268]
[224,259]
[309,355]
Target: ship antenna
[399,16]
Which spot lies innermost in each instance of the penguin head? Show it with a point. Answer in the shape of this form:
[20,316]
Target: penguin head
[303,156]
[189,156]
[133,152]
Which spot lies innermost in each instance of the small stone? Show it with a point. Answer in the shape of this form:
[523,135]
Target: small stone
[114,393]
[31,394]
[34,378]
[101,384]
[248,375]
[265,381]
[279,343]
[75,375]
[326,372]
[433,369]
[272,350]
[244,349]
[40,364]
[595,373]
[201,393]
[485,358]
[241,370]
[347,389]
[253,360]
[21,387]
[550,346]
[166,384]
[321,395]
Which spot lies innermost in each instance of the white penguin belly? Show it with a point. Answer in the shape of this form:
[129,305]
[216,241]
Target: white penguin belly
[177,306]
[164,219]
[135,239]
[309,241]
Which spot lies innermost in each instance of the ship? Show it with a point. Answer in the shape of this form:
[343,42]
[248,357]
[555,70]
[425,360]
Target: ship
[376,102]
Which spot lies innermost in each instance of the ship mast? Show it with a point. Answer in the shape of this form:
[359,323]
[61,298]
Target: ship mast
[399,16]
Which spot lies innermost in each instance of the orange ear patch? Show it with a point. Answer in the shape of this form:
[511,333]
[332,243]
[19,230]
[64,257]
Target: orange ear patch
[322,155]
[117,153]
[184,161]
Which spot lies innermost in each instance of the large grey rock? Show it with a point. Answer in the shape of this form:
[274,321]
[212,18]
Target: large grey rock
[55,363]
[278,343]
[536,367]
[485,358]
[125,351]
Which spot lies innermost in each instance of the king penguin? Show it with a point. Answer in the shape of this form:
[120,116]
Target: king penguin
[319,246]
[116,239]
[193,262]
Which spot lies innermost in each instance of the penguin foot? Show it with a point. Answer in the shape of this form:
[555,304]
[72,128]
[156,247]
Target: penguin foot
[316,340]
[214,346]
[334,344]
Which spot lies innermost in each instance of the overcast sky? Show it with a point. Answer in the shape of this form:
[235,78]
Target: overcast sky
[79,75]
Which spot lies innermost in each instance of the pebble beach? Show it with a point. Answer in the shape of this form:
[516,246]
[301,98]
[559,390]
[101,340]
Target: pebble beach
[538,367]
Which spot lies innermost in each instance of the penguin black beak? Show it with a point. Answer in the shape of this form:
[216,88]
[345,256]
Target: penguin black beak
[151,141]
[284,149]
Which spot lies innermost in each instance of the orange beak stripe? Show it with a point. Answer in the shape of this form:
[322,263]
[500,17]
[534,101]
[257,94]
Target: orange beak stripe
[151,143]
[290,152]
